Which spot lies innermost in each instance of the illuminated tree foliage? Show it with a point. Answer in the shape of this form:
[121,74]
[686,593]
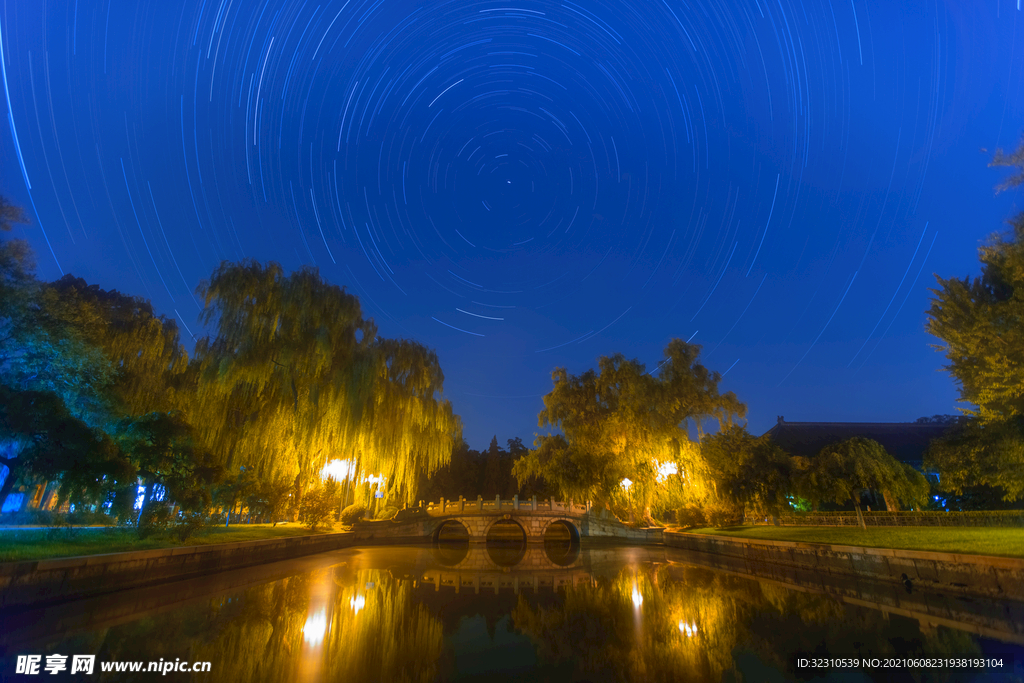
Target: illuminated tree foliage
[291,377]
[624,423]
[750,471]
[294,377]
[981,324]
[841,470]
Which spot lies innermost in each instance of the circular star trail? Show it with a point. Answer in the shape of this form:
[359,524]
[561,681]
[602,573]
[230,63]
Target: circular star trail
[523,185]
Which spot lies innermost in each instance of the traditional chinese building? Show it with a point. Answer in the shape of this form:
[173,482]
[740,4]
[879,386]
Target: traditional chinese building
[905,441]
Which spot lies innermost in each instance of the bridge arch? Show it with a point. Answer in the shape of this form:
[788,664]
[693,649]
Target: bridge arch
[556,528]
[505,520]
[452,529]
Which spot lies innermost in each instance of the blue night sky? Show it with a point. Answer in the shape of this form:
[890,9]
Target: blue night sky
[525,184]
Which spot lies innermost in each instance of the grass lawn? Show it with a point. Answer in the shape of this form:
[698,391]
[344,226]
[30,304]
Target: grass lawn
[40,543]
[1004,541]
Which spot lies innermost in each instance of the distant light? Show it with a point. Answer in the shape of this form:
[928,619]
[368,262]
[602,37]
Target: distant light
[637,598]
[626,483]
[315,628]
[357,603]
[687,629]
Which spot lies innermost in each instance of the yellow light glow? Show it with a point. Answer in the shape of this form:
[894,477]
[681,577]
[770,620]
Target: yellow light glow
[626,483]
[357,603]
[687,629]
[339,470]
[665,469]
[315,628]
[637,598]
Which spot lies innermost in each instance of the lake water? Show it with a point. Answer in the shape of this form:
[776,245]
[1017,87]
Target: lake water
[508,611]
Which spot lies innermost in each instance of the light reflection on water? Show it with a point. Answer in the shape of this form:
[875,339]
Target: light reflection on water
[539,612]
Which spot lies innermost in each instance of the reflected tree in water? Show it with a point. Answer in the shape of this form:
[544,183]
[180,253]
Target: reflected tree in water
[378,632]
[681,623]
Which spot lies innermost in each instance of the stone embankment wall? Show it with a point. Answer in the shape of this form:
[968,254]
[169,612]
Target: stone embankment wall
[45,581]
[1001,577]
[601,526]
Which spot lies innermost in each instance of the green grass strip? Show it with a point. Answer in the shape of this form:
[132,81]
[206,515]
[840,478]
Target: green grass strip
[1001,541]
[37,544]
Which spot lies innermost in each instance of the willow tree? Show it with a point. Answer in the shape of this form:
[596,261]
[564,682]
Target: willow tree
[294,376]
[842,470]
[624,423]
[288,371]
[408,428]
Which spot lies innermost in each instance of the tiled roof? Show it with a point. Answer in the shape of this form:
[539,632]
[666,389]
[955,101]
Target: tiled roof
[905,441]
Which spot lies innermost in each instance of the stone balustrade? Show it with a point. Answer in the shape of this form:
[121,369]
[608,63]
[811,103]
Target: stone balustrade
[483,505]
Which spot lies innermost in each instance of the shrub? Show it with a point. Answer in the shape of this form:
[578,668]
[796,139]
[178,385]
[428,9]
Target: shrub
[690,516]
[352,514]
[319,505]
[723,514]
[387,512]
[188,525]
[155,519]
[59,525]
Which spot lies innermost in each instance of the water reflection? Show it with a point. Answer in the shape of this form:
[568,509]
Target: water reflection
[455,612]
[450,553]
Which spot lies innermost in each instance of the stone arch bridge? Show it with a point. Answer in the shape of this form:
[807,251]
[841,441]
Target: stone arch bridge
[478,517]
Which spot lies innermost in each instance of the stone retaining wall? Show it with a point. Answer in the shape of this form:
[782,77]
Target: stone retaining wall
[1001,577]
[36,582]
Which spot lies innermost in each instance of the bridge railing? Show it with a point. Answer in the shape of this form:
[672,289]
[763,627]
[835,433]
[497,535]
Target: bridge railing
[497,505]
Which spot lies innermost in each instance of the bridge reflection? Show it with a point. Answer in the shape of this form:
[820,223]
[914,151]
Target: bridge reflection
[505,564]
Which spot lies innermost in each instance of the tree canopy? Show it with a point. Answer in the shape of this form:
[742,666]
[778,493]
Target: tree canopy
[290,376]
[297,377]
[841,470]
[751,471]
[624,423]
[980,322]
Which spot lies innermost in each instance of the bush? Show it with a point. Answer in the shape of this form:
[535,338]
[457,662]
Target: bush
[723,514]
[352,514]
[188,525]
[386,512]
[690,516]
[155,519]
[319,505]
[59,525]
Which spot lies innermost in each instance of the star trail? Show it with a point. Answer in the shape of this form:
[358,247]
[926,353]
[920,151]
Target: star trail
[525,185]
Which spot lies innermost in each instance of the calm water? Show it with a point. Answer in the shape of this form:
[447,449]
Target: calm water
[552,612]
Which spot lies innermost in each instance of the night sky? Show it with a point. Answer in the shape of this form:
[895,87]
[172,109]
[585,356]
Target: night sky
[529,184]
